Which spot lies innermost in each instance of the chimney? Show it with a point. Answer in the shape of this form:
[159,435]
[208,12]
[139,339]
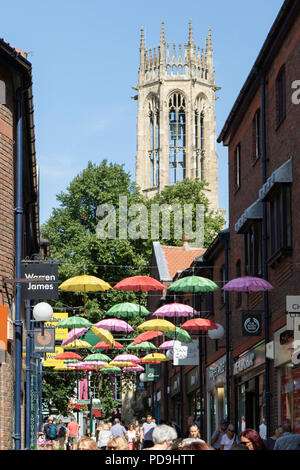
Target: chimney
[185,243]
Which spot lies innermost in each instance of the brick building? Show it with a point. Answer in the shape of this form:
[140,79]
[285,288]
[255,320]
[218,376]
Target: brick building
[15,73]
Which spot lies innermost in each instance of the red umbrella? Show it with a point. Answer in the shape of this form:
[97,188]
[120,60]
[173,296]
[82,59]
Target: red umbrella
[103,345]
[68,355]
[139,283]
[199,324]
[146,336]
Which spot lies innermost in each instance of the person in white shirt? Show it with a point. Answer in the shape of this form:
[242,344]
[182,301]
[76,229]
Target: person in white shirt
[229,438]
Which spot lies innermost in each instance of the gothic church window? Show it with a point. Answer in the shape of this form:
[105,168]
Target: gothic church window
[177,138]
[153,150]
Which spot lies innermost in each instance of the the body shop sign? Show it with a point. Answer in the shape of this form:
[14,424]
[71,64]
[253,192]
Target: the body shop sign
[40,281]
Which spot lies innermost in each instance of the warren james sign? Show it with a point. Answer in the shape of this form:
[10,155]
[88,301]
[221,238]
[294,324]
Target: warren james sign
[47,274]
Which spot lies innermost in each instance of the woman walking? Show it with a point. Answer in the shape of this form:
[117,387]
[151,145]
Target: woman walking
[131,437]
[104,436]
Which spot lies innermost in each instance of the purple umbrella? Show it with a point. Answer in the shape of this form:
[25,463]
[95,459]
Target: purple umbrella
[74,334]
[114,324]
[247,284]
[134,369]
[175,310]
[167,345]
[127,358]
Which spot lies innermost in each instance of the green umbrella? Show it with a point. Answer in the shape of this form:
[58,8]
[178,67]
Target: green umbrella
[145,346]
[179,334]
[91,338]
[193,284]
[97,357]
[127,310]
[109,370]
[70,361]
[74,322]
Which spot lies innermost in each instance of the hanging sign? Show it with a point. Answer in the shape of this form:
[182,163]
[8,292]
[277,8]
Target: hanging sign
[3,332]
[41,281]
[186,354]
[49,358]
[43,343]
[252,323]
[152,372]
[60,333]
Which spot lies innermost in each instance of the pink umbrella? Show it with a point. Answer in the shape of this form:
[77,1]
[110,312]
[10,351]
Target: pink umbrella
[175,310]
[114,324]
[74,334]
[127,358]
[247,284]
[134,369]
[167,345]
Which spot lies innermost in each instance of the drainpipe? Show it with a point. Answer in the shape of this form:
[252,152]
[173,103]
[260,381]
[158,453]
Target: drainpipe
[265,254]
[28,377]
[40,366]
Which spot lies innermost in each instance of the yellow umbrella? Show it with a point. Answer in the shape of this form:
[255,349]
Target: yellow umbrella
[64,367]
[155,357]
[157,325]
[84,284]
[78,344]
[121,364]
[104,335]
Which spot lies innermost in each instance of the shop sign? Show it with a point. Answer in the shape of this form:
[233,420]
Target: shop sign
[152,372]
[244,363]
[186,354]
[284,346]
[293,304]
[252,323]
[60,333]
[296,357]
[47,274]
[43,342]
[216,373]
[49,358]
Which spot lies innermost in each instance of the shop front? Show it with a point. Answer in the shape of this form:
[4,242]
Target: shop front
[193,393]
[249,386]
[216,405]
[176,404]
[288,379]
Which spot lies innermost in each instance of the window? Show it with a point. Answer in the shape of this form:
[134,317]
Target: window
[253,249]
[237,167]
[281,95]
[280,219]
[2,92]
[153,150]
[238,270]
[177,138]
[256,135]
[199,143]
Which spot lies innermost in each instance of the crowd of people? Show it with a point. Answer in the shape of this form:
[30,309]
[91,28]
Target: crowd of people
[147,435]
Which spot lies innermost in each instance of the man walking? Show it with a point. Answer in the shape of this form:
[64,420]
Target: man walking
[117,429]
[288,440]
[147,431]
[218,434]
[73,429]
[51,432]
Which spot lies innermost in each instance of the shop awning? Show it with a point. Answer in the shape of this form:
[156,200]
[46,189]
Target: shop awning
[253,212]
[283,174]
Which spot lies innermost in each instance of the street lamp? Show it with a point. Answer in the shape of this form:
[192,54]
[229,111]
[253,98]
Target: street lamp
[42,312]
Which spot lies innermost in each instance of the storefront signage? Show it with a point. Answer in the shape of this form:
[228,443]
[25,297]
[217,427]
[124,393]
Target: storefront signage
[60,333]
[44,341]
[49,358]
[296,357]
[152,372]
[216,373]
[47,274]
[244,363]
[186,354]
[251,323]
[3,332]
[293,304]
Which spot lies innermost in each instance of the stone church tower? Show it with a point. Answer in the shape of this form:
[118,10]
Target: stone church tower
[176,124]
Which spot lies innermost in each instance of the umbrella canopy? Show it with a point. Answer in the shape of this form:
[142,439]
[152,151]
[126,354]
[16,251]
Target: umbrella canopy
[146,336]
[65,367]
[199,324]
[78,344]
[156,357]
[121,364]
[114,324]
[96,363]
[175,310]
[68,355]
[97,357]
[127,358]
[74,322]
[139,283]
[179,335]
[71,361]
[104,335]
[167,345]
[193,284]
[127,310]
[134,369]
[145,346]
[75,333]
[103,345]
[247,284]
[157,325]
[111,370]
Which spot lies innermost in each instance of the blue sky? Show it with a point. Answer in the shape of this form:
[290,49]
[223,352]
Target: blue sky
[85,57]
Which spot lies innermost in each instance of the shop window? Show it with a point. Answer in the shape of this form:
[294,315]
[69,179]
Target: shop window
[253,249]
[281,95]
[280,221]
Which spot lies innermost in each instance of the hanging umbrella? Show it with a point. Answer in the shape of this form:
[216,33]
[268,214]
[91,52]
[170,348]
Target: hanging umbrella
[74,322]
[145,346]
[70,361]
[75,333]
[65,367]
[134,369]
[127,358]
[155,357]
[157,325]
[127,310]
[78,344]
[167,345]
[139,283]
[96,363]
[114,324]
[146,336]
[104,335]
[84,284]
[199,324]
[193,284]
[68,355]
[247,284]
[103,345]
[97,357]
[179,335]
[111,370]
[122,364]
[175,310]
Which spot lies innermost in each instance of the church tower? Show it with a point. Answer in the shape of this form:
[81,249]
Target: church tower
[176,124]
